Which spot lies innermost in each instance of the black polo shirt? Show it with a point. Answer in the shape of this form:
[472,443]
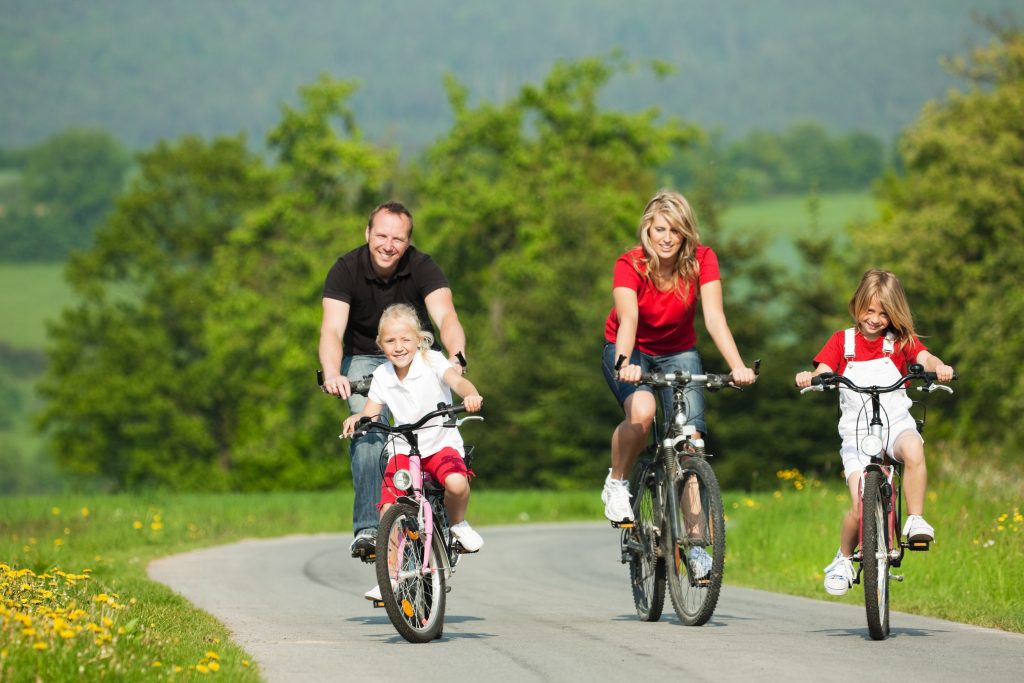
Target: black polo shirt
[353,280]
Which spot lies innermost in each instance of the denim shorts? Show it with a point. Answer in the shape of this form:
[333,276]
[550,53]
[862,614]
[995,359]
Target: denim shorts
[688,361]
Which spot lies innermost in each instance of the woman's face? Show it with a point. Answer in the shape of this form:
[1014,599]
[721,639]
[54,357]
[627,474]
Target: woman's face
[665,240]
[399,342]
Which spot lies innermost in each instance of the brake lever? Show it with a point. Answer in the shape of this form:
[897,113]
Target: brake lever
[468,418]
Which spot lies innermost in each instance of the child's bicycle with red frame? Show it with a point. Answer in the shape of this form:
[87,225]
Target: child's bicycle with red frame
[881,505]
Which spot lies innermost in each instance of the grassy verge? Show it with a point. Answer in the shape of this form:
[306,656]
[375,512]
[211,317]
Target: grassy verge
[74,591]
[780,541]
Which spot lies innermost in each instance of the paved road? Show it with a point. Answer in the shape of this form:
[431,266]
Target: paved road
[552,603]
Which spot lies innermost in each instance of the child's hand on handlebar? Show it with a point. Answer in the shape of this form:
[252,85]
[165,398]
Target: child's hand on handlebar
[348,427]
[944,373]
[473,402]
[803,379]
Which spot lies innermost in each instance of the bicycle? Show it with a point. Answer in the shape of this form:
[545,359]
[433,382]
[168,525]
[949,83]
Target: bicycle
[881,502]
[677,512]
[421,553]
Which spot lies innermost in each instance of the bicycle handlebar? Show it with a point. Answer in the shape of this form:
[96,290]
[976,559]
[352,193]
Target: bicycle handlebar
[713,381]
[366,423]
[358,386]
[831,380]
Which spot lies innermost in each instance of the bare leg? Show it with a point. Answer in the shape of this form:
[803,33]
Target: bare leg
[456,497]
[630,436]
[910,450]
[851,520]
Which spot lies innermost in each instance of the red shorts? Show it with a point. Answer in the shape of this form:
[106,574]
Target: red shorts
[440,466]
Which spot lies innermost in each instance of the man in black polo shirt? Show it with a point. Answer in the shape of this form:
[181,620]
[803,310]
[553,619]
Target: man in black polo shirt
[361,284]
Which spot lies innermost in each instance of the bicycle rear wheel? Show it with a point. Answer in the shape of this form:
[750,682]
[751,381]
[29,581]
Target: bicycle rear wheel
[696,557]
[875,554]
[414,600]
[643,548]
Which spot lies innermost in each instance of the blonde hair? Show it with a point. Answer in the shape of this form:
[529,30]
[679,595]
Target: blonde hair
[886,287]
[405,314]
[677,212]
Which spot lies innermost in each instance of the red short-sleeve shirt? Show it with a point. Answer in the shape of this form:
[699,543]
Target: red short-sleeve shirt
[665,322]
[832,353]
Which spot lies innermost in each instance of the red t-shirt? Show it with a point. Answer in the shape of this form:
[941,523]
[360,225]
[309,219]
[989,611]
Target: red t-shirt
[832,353]
[665,322]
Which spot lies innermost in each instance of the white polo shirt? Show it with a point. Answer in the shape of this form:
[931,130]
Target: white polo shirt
[411,398]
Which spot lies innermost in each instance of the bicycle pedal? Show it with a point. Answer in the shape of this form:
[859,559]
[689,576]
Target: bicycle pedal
[918,545]
[461,550]
[378,603]
[625,524]
[896,577]
[369,558]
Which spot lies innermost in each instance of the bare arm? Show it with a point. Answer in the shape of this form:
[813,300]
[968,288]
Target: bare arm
[441,308]
[803,379]
[471,398]
[933,363]
[718,328]
[332,331]
[370,409]
[627,310]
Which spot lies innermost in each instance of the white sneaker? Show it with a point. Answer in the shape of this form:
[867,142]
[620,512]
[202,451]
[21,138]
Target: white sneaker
[700,562]
[615,497]
[916,529]
[839,575]
[373,594]
[467,536]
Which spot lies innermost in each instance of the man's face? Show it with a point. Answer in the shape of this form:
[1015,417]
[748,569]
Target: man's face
[388,238]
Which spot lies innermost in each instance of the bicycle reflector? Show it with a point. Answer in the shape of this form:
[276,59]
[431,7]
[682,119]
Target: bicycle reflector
[402,480]
[871,445]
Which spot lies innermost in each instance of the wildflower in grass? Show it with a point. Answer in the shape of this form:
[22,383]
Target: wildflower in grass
[85,512]
[55,511]
[136,524]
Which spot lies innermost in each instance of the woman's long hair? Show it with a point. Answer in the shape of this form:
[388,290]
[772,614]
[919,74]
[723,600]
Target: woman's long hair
[676,211]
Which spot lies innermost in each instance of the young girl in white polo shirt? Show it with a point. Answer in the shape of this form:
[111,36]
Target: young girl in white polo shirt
[411,384]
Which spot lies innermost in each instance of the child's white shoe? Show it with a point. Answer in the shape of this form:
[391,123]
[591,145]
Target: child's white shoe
[916,529]
[471,541]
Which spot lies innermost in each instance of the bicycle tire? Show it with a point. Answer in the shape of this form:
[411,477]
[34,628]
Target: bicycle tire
[415,602]
[875,555]
[695,592]
[646,562]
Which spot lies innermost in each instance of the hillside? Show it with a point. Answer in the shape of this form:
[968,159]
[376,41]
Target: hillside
[149,70]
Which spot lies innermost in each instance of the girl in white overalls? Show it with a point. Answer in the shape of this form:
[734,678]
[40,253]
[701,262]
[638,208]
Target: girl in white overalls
[877,351]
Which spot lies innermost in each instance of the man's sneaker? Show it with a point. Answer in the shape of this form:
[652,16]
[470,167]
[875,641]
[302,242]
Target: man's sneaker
[471,541]
[615,497]
[839,575]
[700,562]
[916,529]
[364,545]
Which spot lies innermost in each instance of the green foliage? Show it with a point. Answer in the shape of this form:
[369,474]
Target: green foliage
[131,396]
[953,230]
[65,190]
[528,204]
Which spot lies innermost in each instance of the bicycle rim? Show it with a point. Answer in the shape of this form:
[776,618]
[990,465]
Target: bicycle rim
[698,527]
[414,601]
[646,564]
[875,556]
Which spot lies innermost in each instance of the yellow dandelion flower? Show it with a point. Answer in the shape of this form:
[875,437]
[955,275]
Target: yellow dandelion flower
[156,664]
[67,633]
[1002,518]
[85,512]
[777,495]
[108,622]
[55,511]
[137,524]
[245,663]
[177,668]
[214,666]
[212,655]
[58,542]
[28,632]
[202,668]
[156,525]
[39,645]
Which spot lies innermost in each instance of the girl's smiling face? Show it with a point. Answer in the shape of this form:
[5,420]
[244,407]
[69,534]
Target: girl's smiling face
[873,320]
[399,342]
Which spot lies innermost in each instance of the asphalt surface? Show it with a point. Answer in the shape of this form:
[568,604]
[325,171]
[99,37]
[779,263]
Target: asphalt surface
[553,603]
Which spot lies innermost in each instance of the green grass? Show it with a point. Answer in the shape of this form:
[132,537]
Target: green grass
[786,219]
[781,541]
[30,294]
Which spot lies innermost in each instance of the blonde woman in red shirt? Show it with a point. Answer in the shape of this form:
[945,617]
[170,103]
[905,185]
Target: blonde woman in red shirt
[650,328]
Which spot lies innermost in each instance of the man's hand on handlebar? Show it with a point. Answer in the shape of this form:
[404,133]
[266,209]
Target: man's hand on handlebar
[337,386]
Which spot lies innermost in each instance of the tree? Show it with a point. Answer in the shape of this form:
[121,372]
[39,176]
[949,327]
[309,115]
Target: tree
[131,397]
[953,231]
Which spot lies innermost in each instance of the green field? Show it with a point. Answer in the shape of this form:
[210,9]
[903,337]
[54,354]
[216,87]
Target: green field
[30,294]
[109,616]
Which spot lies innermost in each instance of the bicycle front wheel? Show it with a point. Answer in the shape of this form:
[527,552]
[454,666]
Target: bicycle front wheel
[643,547]
[414,598]
[875,554]
[695,542]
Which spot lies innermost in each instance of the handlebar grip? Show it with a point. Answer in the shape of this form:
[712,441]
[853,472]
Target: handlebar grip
[361,386]
[822,379]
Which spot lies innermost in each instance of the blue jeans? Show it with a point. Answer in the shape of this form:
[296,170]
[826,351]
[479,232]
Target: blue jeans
[688,361]
[364,452]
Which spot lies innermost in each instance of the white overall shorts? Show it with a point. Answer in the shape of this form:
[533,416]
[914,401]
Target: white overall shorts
[855,408]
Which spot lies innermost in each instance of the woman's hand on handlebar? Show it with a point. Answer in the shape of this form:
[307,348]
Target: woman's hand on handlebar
[631,373]
[742,377]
